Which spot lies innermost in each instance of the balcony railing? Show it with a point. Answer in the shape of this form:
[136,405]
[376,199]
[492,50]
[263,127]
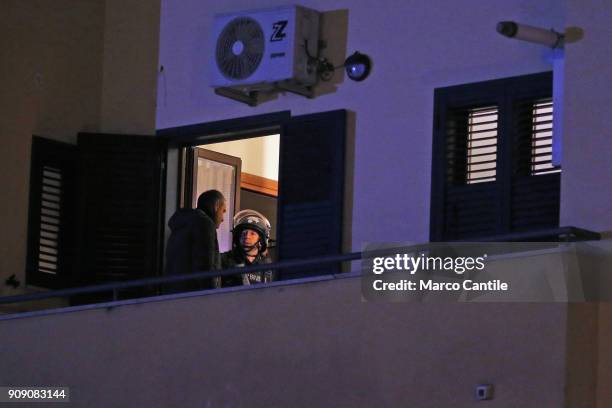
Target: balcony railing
[563,234]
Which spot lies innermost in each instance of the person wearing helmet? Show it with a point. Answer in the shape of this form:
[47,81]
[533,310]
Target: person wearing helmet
[250,239]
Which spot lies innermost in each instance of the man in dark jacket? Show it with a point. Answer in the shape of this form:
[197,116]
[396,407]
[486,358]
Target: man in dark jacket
[193,246]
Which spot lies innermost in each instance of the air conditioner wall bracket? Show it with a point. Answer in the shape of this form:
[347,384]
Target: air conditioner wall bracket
[250,97]
[303,90]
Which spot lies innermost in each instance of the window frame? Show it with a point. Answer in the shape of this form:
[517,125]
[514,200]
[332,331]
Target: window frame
[291,129]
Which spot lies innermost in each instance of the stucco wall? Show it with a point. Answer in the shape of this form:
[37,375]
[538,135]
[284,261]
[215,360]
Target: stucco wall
[51,53]
[415,46]
[292,337]
[131,38]
[67,67]
[307,345]
[586,195]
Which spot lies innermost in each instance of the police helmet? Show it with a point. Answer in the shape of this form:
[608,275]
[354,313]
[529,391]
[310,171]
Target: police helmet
[251,219]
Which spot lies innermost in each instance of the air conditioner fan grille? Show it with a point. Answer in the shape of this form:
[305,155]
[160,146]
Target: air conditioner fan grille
[240,48]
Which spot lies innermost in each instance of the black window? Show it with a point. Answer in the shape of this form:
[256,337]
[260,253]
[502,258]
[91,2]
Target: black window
[492,170]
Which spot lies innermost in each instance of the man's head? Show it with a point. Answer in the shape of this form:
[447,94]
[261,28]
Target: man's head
[212,203]
[249,238]
[251,230]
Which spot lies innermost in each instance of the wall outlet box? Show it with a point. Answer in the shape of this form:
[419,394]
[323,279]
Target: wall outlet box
[484,392]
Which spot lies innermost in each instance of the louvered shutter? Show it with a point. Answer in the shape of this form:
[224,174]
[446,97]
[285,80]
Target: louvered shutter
[465,167]
[536,183]
[311,188]
[470,208]
[120,207]
[492,171]
[51,213]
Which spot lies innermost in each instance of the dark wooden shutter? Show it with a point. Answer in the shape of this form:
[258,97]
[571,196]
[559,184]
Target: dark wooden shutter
[536,183]
[51,213]
[465,179]
[470,208]
[518,190]
[121,185]
[311,189]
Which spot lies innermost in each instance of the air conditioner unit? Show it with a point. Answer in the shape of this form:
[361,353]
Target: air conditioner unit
[260,49]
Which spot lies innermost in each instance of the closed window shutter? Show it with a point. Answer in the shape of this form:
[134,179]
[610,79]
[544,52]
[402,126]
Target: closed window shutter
[534,127]
[120,207]
[311,189]
[492,169]
[536,182]
[471,169]
[51,213]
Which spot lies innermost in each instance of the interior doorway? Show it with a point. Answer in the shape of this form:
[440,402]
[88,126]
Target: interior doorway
[303,197]
[218,171]
[246,172]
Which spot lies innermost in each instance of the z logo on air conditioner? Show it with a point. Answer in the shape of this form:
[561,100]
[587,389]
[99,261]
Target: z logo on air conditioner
[279,31]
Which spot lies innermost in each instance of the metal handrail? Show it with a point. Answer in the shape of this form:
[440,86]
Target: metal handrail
[563,233]
[114,286]
[568,234]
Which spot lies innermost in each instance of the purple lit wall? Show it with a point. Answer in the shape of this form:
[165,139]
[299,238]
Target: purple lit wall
[586,192]
[416,47]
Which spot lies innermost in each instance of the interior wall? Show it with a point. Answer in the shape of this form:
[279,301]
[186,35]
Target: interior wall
[415,47]
[265,204]
[51,70]
[221,177]
[259,154]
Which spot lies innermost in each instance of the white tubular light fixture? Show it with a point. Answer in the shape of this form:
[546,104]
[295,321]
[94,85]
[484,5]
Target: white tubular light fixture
[524,32]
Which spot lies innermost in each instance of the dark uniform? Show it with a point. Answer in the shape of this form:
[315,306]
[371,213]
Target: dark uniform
[192,247]
[251,220]
[235,259]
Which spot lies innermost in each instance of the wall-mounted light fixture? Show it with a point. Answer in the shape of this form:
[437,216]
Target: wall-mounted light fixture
[556,41]
[357,67]
[537,35]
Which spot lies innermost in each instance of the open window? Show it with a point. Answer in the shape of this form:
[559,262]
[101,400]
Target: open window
[245,171]
[97,208]
[292,172]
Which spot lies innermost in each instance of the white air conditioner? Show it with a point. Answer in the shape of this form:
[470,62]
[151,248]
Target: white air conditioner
[255,49]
